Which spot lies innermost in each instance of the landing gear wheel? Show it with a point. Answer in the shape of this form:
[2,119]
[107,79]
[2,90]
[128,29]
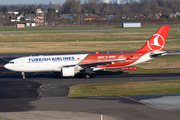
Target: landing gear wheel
[88,76]
[82,75]
[93,76]
[23,75]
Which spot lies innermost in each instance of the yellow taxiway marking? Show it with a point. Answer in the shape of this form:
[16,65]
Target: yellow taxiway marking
[4,59]
[35,73]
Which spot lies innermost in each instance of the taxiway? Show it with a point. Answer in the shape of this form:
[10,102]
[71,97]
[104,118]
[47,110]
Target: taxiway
[45,96]
[46,92]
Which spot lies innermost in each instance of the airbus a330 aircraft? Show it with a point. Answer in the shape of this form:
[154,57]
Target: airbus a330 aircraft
[69,65]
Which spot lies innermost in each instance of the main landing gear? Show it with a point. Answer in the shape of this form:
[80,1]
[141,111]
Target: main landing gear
[87,73]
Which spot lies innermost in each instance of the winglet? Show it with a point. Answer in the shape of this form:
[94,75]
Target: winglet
[157,41]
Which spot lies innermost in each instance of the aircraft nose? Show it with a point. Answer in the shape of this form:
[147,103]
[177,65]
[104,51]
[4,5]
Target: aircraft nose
[6,66]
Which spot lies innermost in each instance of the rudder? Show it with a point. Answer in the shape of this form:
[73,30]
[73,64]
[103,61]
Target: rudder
[157,41]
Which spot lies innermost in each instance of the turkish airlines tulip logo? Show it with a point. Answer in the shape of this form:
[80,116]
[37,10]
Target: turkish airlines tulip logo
[121,57]
[156,42]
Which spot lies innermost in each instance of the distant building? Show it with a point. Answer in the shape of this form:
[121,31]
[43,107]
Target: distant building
[19,17]
[68,17]
[29,17]
[125,1]
[10,12]
[92,17]
[118,1]
[143,16]
[155,15]
[39,17]
[108,17]
[131,24]
[177,14]
[16,13]
[172,15]
[106,1]
[123,16]
[2,17]
[60,3]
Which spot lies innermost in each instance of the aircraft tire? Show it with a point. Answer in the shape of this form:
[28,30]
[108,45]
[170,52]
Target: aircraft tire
[87,76]
[93,75]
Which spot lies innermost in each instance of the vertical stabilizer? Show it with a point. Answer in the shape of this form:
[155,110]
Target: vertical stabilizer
[157,41]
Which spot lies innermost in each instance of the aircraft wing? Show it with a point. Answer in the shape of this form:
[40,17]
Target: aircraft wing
[95,64]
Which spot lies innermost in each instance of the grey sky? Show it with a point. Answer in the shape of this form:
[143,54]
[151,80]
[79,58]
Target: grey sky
[10,2]
[29,1]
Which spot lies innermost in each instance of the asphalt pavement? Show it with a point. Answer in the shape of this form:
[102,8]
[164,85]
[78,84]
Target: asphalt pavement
[45,96]
[44,92]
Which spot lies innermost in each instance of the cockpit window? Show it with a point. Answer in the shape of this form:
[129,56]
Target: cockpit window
[11,62]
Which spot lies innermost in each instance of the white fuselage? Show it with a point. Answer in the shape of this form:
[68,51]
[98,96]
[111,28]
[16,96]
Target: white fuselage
[55,63]
[52,63]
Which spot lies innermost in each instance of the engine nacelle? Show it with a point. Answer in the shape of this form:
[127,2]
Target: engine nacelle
[68,72]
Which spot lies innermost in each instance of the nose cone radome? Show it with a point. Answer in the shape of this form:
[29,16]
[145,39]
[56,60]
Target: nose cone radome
[9,67]
[6,66]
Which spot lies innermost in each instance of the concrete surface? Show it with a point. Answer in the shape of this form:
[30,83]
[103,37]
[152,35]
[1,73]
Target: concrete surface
[53,115]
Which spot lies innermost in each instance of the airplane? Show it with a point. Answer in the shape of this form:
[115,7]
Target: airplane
[86,64]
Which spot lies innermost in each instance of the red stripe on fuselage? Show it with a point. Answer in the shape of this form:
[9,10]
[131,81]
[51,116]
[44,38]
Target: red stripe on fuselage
[129,59]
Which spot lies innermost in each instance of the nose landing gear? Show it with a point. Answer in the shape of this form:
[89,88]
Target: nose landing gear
[23,75]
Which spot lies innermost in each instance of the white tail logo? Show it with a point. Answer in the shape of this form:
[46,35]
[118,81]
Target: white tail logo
[156,41]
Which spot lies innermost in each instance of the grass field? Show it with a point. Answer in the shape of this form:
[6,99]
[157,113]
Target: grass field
[81,41]
[171,61]
[54,28]
[125,88]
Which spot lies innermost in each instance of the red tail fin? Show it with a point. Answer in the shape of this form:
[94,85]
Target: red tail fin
[157,41]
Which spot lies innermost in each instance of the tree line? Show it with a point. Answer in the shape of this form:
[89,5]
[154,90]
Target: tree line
[97,7]
[130,9]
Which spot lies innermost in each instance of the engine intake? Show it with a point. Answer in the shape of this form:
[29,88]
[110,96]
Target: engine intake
[68,72]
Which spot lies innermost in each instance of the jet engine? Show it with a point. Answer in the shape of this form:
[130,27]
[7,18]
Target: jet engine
[68,72]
